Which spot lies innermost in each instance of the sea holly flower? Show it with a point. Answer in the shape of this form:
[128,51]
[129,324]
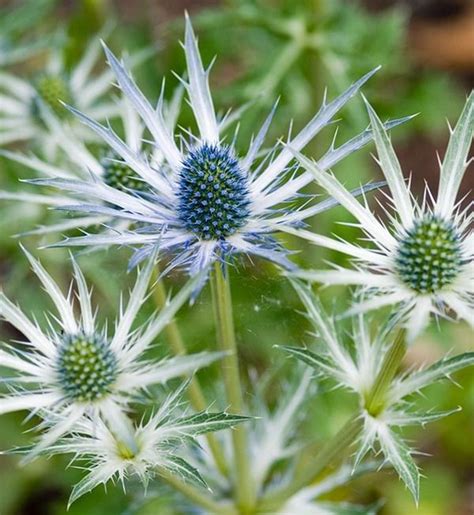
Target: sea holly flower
[77,161]
[76,369]
[212,203]
[23,102]
[356,369]
[422,258]
[153,447]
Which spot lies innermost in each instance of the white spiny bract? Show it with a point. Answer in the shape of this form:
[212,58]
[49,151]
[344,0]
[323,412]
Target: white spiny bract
[272,436]
[422,259]
[357,369]
[307,501]
[75,369]
[211,203]
[23,102]
[78,162]
[155,444]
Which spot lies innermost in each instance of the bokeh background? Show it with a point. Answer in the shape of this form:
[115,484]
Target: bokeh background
[426,48]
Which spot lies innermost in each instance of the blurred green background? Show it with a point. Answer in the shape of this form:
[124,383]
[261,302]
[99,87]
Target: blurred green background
[265,49]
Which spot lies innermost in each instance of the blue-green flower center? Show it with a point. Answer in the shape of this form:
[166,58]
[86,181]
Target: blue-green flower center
[429,255]
[120,176]
[52,89]
[87,368]
[213,194]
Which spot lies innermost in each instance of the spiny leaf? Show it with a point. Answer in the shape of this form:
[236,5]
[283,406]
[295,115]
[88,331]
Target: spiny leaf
[205,422]
[399,455]
[180,467]
[319,363]
[433,373]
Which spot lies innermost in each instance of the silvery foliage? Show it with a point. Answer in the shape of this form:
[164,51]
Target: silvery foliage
[356,367]
[422,256]
[82,379]
[205,203]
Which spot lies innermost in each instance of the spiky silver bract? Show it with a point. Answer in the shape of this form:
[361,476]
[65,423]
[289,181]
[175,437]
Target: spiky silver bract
[206,203]
[24,102]
[158,443]
[357,369]
[77,162]
[76,369]
[422,258]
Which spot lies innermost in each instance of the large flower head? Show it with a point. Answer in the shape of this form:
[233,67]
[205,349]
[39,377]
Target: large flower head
[211,203]
[23,102]
[422,259]
[77,368]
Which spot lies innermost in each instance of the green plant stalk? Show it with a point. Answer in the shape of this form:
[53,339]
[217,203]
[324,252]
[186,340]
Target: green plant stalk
[222,303]
[277,71]
[375,400]
[195,495]
[330,453]
[196,396]
[337,447]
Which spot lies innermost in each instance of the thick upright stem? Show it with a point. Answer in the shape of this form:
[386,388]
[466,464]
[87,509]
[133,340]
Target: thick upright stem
[375,400]
[222,301]
[196,396]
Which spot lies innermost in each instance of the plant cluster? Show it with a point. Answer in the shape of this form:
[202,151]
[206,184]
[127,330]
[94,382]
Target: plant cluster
[122,171]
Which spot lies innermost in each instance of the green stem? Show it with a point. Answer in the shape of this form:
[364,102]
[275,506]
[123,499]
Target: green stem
[196,396]
[222,301]
[195,495]
[267,84]
[375,400]
[337,447]
[331,452]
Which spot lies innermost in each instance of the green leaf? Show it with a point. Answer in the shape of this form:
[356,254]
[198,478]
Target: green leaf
[406,419]
[205,422]
[180,467]
[319,363]
[399,455]
[439,370]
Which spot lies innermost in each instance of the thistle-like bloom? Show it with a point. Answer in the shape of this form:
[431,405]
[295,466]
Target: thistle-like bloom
[357,371]
[22,102]
[78,162]
[422,258]
[211,203]
[76,368]
[151,447]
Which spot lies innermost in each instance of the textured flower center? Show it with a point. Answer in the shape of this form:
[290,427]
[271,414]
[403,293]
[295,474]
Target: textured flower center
[213,193]
[51,89]
[429,256]
[120,176]
[87,368]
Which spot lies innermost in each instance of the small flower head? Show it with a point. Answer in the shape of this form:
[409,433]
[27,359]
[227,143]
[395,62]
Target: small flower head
[78,370]
[87,367]
[429,256]
[422,259]
[118,175]
[26,102]
[52,90]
